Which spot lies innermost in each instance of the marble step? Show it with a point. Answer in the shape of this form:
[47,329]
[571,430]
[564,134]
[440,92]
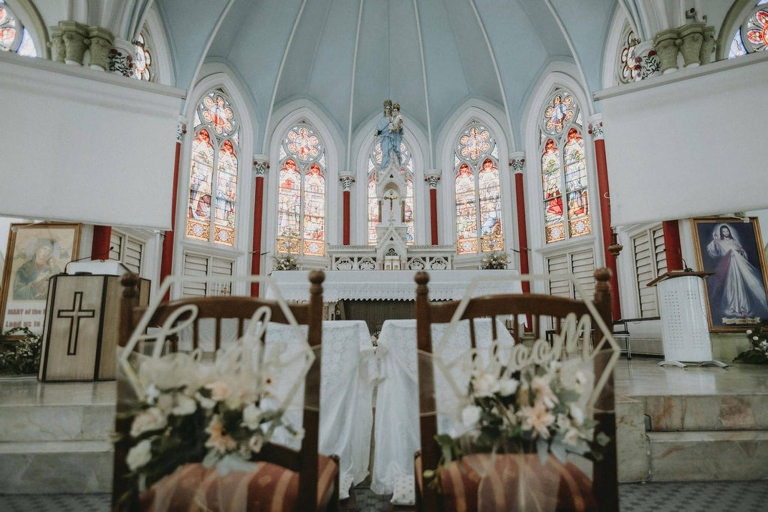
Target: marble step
[708,456]
[55,467]
[707,412]
[30,423]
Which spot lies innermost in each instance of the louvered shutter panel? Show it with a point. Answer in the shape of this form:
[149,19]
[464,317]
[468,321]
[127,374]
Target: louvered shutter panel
[115,245]
[583,268]
[558,265]
[194,266]
[132,256]
[220,267]
[650,262]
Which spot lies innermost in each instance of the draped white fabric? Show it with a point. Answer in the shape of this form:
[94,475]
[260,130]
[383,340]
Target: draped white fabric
[396,430]
[348,373]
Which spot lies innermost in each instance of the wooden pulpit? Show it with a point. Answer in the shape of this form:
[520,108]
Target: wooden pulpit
[81,327]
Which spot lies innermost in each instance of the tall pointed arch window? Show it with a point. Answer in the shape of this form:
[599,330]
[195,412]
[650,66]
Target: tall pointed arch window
[301,193]
[13,36]
[752,35]
[563,169]
[213,173]
[478,191]
[406,168]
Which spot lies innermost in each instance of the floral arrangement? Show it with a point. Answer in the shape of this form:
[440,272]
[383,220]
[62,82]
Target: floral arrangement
[495,260]
[22,356]
[758,354]
[536,410]
[212,415]
[286,262]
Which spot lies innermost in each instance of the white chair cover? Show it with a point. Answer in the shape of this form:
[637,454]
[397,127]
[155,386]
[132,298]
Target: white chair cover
[396,436]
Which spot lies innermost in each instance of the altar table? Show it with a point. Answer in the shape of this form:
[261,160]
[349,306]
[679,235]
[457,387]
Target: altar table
[390,284]
[396,432]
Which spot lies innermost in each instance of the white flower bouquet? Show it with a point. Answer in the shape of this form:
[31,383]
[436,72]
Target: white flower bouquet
[539,409]
[495,261]
[215,415]
[758,338]
[286,262]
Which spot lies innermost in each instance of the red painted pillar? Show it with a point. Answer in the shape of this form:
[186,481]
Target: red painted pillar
[518,164]
[166,261]
[432,178]
[101,242]
[260,168]
[672,244]
[596,130]
[346,180]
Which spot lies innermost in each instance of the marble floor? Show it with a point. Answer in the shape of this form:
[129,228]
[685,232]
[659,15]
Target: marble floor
[639,377]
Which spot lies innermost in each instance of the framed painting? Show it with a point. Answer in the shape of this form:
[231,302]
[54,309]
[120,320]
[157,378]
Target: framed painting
[732,248]
[35,253]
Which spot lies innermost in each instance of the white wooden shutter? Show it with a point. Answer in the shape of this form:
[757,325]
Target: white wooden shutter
[558,265]
[650,260]
[581,265]
[196,265]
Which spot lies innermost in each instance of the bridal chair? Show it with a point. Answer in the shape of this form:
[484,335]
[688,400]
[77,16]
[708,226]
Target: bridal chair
[459,484]
[286,479]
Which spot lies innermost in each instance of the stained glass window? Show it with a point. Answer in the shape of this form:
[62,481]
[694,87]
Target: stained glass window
[563,169]
[213,174]
[406,167]
[13,36]
[301,193]
[752,35]
[478,192]
[629,68]
[142,62]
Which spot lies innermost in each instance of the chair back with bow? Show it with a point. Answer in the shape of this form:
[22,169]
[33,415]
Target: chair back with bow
[547,318]
[301,479]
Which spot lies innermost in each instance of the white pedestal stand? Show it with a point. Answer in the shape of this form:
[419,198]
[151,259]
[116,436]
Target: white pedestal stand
[684,326]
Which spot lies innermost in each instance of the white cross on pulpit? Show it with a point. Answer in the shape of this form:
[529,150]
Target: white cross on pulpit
[76,313]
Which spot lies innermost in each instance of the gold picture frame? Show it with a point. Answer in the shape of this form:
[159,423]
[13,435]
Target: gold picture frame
[35,253]
[732,248]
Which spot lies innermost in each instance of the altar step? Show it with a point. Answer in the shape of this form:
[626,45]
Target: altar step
[696,437]
[55,438]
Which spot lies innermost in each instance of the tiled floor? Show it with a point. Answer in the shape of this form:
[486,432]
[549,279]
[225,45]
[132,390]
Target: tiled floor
[652,497]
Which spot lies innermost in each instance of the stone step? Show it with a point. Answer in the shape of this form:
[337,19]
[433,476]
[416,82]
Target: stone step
[707,456]
[707,412]
[30,423]
[55,467]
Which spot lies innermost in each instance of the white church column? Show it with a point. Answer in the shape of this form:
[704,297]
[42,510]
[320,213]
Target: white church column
[432,177]
[347,179]
[260,168]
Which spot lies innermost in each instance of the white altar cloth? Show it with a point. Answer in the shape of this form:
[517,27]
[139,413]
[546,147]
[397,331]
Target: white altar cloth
[396,432]
[390,284]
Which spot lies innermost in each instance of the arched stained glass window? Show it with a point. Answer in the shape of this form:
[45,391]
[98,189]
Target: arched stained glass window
[752,35]
[629,69]
[563,169]
[301,193]
[406,167]
[213,174]
[13,36]
[142,62]
[478,192]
